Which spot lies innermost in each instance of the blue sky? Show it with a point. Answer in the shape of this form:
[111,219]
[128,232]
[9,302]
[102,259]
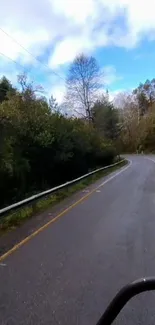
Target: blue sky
[119,33]
[132,65]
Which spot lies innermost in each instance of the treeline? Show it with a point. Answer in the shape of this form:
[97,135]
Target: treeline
[43,144]
[41,147]
[137,119]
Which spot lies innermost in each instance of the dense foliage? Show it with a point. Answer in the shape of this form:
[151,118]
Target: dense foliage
[40,147]
[137,119]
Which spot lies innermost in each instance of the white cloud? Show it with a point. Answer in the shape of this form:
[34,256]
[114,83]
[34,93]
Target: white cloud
[114,22]
[110,75]
[63,28]
[78,11]
[57,90]
[78,24]
[115,96]
[69,47]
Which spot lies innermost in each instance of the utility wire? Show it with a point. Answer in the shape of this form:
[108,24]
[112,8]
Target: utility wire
[2,54]
[45,65]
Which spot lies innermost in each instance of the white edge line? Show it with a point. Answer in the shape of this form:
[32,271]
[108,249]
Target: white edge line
[150,159]
[115,175]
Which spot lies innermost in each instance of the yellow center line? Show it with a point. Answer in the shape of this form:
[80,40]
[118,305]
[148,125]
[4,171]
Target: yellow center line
[24,241]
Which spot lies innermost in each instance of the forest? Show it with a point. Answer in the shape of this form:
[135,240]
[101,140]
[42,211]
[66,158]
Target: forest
[43,144]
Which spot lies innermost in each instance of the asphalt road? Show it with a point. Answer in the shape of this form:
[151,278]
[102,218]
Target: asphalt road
[69,272]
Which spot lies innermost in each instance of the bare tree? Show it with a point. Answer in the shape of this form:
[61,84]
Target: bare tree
[29,90]
[83,83]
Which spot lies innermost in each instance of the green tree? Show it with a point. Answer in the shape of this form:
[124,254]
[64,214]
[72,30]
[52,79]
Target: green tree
[6,89]
[40,148]
[105,118]
[145,95]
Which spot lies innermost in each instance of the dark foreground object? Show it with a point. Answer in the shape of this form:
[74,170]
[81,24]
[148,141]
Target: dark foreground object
[123,296]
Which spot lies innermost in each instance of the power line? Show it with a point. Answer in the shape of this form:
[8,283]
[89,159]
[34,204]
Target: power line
[17,64]
[45,65]
[12,60]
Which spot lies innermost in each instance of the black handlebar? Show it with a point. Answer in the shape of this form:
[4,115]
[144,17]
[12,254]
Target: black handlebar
[123,296]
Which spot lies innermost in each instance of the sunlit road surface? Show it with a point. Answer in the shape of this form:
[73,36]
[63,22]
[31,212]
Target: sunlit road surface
[69,272]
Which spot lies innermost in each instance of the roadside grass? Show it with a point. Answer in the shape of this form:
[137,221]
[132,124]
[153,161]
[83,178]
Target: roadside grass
[16,218]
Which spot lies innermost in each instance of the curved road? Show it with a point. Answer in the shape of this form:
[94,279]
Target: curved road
[69,272]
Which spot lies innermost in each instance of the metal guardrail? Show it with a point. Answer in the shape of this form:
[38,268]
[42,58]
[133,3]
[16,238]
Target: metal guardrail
[35,197]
